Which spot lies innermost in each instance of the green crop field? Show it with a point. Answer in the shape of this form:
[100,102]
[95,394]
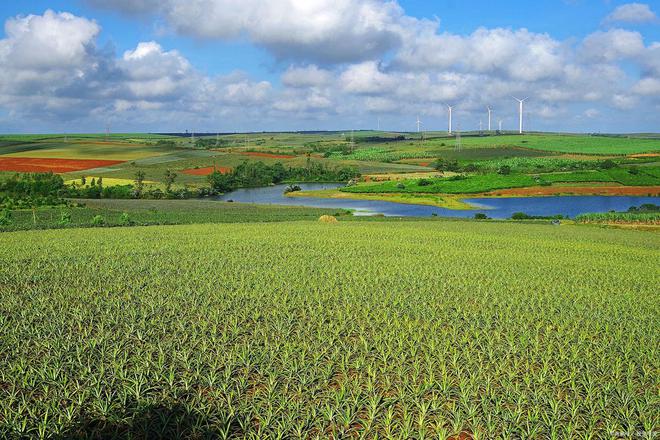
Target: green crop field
[157,212]
[305,330]
[579,144]
[646,176]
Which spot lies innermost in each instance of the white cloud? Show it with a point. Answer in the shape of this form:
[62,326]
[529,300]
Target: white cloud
[46,42]
[592,113]
[52,69]
[647,87]
[612,45]
[365,78]
[520,54]
[309,76]
[632,13]
[322,30]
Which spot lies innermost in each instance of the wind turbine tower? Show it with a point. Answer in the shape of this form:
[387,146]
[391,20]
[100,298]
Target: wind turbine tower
[449,108]
[419,124]
[500,125]
[490,112]
[520,101]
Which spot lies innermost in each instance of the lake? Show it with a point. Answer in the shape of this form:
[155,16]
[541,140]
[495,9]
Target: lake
[568,206]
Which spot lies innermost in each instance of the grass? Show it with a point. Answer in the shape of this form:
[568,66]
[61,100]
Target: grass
[159,212]
[414,199]
[306,330]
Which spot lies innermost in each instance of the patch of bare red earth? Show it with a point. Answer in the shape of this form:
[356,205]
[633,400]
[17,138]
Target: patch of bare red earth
[578,190]
[206,171]
[45,165]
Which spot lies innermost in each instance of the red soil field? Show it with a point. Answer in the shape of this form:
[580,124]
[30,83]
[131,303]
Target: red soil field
[577,190]
[44,165]
[206,171]
[269,155]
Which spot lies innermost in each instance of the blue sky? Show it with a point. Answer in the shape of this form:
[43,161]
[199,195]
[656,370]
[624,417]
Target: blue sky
[146,65]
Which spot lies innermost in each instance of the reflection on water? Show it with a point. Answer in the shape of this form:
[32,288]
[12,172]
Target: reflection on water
[494,207]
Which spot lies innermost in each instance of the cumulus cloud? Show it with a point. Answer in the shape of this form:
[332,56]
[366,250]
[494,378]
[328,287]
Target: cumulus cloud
[52,69]
[647,87]
[321,30]
[350,60]
[49,41]
[517,54]
[612,45]
[308,76]
[632,13]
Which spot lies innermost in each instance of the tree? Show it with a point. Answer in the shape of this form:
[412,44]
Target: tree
[139,184]
[83,180]
[169,180]
[504,170]
[446,165]
[221,182]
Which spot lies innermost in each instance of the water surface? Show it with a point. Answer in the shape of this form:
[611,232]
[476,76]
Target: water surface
[568,206]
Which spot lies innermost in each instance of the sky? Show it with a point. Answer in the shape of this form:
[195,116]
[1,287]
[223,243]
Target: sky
[79,66]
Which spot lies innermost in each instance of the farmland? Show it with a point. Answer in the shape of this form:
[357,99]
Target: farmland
[111,213]
[277,331]
[488,182]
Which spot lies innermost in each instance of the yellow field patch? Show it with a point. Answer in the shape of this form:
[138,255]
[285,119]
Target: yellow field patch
[108,181]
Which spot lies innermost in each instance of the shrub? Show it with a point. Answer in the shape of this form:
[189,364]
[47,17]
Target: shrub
[504,170]
[65,218]
[520,216]
[292,188]
[5,217]
[607,164]
[481,216]
[424,182]
[125,219]
[400,186]
[98,220]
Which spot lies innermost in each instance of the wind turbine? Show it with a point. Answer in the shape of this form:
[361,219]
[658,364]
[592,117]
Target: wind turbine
[490,111]
[520,101]
[449,109]
[419,124]
[500,125]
